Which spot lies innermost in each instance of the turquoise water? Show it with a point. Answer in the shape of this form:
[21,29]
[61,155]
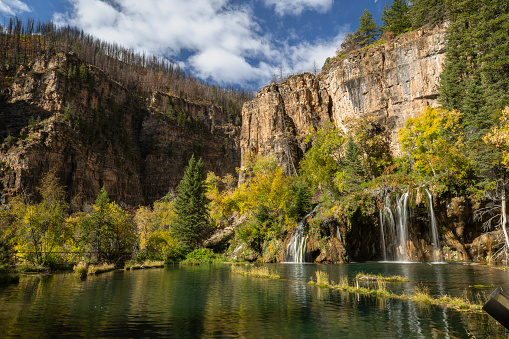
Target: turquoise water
[210,301]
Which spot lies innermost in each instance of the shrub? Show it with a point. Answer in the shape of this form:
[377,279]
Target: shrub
[174,255]
[81,270]
[201,255]
[10,139]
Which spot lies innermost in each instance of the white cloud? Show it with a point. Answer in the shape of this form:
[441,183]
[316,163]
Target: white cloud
[296,7]
[213,38]
[13,7]
[302,56]
[211,30]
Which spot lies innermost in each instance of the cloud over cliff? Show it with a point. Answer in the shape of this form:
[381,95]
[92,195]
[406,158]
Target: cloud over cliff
[220,40]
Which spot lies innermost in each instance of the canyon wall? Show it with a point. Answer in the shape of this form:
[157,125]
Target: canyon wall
[94,132]
[389,82]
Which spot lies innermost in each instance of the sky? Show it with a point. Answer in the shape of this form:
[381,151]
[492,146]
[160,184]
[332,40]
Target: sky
[227,42]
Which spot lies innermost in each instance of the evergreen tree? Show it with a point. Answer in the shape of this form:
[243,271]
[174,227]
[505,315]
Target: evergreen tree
[476,73]
[191,226]
[429,12]
[368,32]
[302,204]
[477,60]
[396,19]
[352,165]
[473,104]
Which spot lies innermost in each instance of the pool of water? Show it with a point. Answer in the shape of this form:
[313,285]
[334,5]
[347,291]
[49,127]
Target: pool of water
[210,301]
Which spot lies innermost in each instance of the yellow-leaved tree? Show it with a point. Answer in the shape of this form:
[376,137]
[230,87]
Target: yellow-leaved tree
[38,231]
[435,143]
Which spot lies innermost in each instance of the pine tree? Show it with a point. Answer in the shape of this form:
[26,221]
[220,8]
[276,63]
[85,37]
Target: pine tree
[191,226]
[368,32]
[396,19]
[429,12]
[302,204]
[352,166]
[473,105]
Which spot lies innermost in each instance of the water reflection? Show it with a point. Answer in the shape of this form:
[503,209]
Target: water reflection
[210,301]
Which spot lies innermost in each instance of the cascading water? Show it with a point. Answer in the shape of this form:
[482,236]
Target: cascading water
[382,236]
[296,248]
[435,241]
[394,228]
[402,213]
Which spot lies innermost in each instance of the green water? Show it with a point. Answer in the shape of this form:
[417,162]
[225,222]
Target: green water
[210,301]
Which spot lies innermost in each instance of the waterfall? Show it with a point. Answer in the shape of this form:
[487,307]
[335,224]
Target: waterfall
[382,236]
[435,241]
[296,248]
[394,227]
[338,235]
[402,213]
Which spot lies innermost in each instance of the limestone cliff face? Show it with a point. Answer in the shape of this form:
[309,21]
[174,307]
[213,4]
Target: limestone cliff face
[280,116]
[391,82]
[96,133]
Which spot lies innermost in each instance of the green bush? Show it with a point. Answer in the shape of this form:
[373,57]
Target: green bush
[10,139]
[201,255]
[174,255]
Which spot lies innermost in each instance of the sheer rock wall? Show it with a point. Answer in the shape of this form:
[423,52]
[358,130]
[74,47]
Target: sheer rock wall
[391,81]
[97,133]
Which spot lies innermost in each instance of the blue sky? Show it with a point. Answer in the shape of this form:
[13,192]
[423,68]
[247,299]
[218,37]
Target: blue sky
[228,42]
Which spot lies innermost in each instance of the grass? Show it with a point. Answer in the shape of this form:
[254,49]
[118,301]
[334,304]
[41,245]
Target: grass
[482,286]
[322,279]
[31,269]
[392,278]
[254,271]
[141,265]
[103,268]
[81,270]
[420,293]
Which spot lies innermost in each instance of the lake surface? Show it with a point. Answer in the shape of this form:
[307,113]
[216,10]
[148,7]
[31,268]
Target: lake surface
[211,301]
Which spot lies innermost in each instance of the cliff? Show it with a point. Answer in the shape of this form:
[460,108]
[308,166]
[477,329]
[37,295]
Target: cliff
[94,132]
[390,82]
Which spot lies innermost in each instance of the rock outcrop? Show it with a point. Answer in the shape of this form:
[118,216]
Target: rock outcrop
[391,82]
[280,116]
[94,132]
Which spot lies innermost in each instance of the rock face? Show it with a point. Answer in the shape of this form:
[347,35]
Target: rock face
[96,133]
[391,82]
[280,116]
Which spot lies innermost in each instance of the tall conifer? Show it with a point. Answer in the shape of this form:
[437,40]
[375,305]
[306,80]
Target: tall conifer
[368,32]
[396,19]
[191,226]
